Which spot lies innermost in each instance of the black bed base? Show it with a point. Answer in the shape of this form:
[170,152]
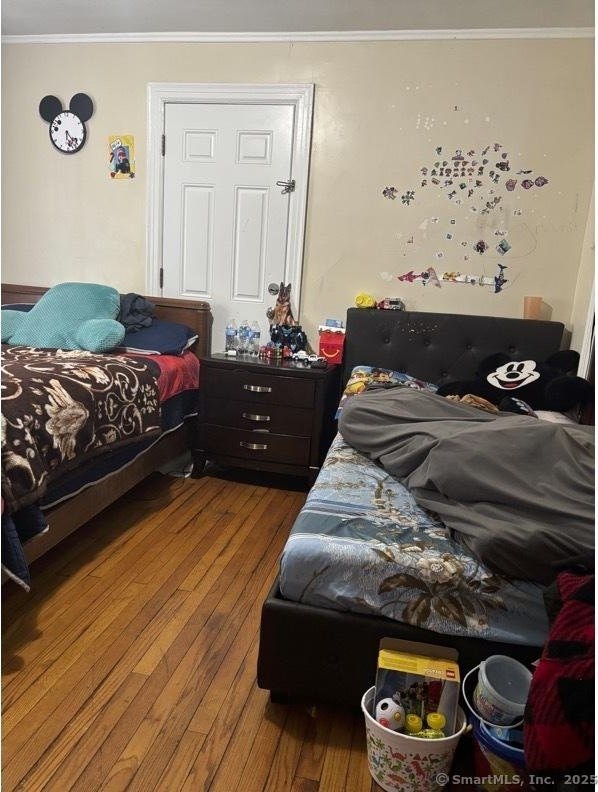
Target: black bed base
[317,655]
[324,655]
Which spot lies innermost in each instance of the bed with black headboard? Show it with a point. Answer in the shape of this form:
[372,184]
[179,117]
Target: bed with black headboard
[114,473]
[328,652]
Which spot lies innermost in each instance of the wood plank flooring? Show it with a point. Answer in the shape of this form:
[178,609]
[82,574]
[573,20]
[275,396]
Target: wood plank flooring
[131,664]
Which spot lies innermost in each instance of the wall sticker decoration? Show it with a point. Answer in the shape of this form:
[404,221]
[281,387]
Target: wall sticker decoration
[480,182]
[472,176]
[430,276]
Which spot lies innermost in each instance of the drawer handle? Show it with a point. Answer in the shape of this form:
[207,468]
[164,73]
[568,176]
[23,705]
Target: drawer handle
[254,417]
[258,388]
[253,446]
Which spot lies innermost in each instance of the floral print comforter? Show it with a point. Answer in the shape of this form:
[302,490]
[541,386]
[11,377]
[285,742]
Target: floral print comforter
[362,544]
[61,408]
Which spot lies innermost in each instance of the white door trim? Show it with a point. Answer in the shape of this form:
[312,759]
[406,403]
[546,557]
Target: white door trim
[159,94]
[587,345]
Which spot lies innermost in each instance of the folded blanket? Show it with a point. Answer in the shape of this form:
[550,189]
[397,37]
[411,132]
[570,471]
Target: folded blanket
[518,492]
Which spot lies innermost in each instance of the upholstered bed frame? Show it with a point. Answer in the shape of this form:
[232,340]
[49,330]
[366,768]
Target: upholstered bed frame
[66,517]
[315,654]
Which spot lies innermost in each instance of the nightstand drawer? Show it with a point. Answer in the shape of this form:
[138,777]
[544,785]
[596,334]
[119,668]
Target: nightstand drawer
[259,388]
[245,415]
[264,446]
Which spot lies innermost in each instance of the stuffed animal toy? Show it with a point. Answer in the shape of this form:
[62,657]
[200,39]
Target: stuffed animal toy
[525,386]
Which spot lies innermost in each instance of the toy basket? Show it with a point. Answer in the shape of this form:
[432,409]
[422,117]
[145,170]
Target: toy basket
[400,763]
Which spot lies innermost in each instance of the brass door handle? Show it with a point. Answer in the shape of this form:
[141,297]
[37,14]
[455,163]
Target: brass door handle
[257,388]
[254,417]
[253,446]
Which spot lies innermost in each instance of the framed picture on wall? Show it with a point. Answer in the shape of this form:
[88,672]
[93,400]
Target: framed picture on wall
[121,156]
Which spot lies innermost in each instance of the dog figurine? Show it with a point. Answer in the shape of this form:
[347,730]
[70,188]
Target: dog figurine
[282,313]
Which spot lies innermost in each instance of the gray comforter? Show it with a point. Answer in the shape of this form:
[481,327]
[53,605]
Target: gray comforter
[517,491]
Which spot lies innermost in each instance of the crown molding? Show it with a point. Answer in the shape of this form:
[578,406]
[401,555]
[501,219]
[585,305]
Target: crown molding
[312,36]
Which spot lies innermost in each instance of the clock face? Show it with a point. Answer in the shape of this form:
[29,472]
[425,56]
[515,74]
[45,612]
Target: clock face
[67,132]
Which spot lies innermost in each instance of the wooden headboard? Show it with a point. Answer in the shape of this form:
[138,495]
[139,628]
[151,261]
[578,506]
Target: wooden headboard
[442,347]
[196,315]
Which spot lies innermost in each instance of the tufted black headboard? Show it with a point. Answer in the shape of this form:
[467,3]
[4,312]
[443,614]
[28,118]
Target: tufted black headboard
[441,347]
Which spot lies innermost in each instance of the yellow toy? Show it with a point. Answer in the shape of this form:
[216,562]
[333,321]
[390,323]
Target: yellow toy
[435,721]
[413,723]
[364,300]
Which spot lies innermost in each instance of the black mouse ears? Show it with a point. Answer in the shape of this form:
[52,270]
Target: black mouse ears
[49,107]
[81,105]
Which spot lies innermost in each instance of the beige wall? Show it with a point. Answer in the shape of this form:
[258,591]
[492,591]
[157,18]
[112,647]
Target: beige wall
[380,111]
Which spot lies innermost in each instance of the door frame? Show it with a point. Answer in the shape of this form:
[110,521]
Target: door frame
[586,352]
[299,95]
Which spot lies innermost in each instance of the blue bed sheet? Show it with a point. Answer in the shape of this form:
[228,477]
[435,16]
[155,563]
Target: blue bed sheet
[362,544]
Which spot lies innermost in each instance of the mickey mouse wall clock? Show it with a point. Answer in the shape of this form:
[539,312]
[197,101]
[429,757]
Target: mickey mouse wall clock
[67,127]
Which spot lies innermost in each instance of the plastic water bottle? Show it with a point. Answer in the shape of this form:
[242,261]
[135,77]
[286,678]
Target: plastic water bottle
[244,334]
[231,337]
[254,339]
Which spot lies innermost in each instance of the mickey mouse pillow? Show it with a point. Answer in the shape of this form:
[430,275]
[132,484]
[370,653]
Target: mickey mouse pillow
[524,386]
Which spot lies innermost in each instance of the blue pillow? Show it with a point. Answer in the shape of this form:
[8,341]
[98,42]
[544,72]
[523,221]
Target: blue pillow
[56,318]
[160,338]
[362,376]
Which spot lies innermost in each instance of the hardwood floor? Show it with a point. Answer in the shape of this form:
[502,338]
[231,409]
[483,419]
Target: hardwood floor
[131,664]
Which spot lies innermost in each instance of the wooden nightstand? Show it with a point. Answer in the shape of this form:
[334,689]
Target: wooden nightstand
[276,416]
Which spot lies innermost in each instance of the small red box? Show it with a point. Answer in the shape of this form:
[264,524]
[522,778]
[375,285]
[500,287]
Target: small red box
[331,346]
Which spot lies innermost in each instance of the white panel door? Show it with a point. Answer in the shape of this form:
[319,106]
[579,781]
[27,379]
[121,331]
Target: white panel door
[225,219]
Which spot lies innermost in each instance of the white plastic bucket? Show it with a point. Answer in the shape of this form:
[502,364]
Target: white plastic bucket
[400,763]
[501,692]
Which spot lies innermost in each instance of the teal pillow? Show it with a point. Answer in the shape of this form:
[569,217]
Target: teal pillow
[55,320]
[100,335]
[11,321]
